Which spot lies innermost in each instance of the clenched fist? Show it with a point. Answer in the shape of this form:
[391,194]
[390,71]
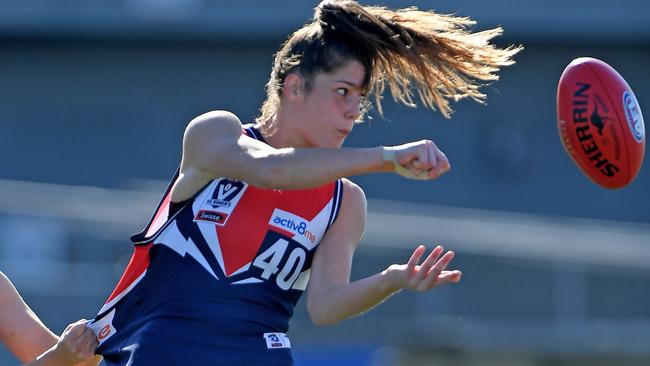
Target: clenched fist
[76,344]
[417,160]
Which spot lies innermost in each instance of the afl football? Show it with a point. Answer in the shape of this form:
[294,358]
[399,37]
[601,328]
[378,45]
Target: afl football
[600,122]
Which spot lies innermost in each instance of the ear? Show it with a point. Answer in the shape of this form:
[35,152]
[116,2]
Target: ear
[293,87]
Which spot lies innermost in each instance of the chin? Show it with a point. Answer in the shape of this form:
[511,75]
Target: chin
[337,144]
[334,143]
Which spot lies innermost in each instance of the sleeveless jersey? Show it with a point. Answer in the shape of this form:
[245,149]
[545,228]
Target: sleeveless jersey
[217,276]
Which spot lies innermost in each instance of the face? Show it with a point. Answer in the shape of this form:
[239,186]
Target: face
[329,109]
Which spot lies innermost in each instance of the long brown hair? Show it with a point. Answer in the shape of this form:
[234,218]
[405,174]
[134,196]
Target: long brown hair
[407,49]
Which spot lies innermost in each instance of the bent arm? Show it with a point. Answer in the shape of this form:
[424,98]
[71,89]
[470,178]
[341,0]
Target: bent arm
[76,346]
[20,329]
[50,359]
[24,333]
[214,146]
[331,297]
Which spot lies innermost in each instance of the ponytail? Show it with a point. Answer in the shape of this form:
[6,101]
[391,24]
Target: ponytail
[404,50]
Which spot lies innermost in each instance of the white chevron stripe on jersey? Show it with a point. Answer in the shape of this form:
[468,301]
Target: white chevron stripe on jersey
[210,235]
[173,239]
[119,297]
[244,268]
[247,280]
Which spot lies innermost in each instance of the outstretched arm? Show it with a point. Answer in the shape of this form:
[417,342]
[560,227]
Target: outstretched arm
[214,146]
[331,297]
[24,333]
[77,344]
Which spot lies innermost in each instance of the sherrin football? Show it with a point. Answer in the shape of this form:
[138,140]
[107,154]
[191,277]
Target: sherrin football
[600,122]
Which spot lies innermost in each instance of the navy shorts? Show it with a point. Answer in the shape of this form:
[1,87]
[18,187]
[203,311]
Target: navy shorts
[165,342]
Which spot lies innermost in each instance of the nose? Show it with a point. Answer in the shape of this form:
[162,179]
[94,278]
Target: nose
[353,110]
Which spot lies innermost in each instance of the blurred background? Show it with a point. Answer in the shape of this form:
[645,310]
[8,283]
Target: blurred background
[95,95]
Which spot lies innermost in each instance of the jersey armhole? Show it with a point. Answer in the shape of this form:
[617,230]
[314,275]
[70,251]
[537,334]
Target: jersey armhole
[163,214]
[336,202]
[162,209]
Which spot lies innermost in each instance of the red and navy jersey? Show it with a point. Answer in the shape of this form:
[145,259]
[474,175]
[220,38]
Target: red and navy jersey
[234,257]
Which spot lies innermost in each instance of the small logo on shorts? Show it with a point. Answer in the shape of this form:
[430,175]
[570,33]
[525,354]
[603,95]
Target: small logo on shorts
[277,340]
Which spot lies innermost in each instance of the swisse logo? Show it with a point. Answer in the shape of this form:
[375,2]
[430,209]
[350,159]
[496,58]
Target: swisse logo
[211,216]
[633,116]
[583,121]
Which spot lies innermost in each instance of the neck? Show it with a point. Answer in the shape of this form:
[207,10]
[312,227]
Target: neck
[283,131]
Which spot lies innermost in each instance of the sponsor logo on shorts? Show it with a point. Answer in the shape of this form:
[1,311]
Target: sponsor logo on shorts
[633,116]
[277,340]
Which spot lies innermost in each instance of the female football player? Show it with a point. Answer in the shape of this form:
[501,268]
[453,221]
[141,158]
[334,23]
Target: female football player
[260,213]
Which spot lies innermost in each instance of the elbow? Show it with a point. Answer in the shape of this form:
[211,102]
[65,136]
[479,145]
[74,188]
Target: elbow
[321,319]
[320,315]
[270,176]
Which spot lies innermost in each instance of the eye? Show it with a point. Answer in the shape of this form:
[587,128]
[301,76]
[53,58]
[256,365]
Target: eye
[342,91]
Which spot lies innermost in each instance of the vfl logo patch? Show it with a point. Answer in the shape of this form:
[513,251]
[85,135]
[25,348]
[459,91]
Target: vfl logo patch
[277,340]
[225,191]
[211,216]
[219,201]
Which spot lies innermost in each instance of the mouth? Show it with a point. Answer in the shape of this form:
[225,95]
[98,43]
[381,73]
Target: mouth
[343,132]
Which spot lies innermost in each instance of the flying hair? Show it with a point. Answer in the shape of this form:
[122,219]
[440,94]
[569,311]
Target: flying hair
[406,51]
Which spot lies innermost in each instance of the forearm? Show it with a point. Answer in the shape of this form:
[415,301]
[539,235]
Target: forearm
[52,357]
[342,302]
[92,362]
[21,331]
[309,167]
[48,358]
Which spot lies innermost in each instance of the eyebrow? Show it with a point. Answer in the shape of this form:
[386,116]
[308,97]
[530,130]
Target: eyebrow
[349,83]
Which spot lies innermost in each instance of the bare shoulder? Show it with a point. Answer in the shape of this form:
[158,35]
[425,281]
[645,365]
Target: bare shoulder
[212,134]
[4,281]
[352,215]
[6,288]
[206,136]
[213,123]
[353,194]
